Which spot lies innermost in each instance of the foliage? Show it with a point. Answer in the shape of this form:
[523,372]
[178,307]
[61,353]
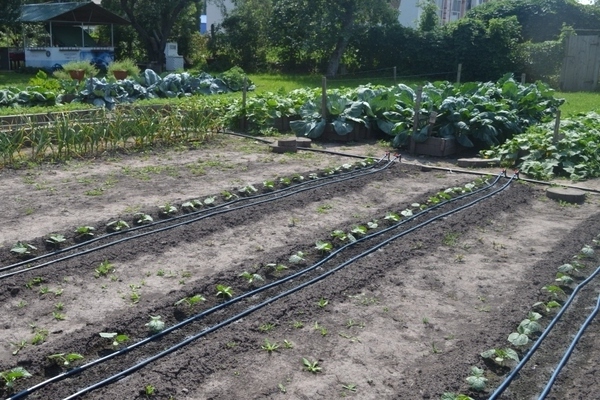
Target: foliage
[86,66]
[225,292]
[23,250]
[126,64]
[155,325]
[65,359]
[311,366]
[501,356]
[576,153]
[10,376]
[477,381]
[115,337]
[30,97]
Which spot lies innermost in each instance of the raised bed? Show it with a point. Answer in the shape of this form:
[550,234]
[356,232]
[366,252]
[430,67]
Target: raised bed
[438,147]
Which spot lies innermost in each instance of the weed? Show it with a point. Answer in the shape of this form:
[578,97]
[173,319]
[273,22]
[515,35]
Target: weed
[287,344]
[39,336]
[350,323]
[351,387]
[34,282]
[59,306]
[298,324]
[149,390]
[58,316]
[19,346]
[160,272]
[44,290]
[104,269]
[21,304]
[311,366]
[322,303]
[435,349]
[266,327]
[459,258]
[270,347]
[450,239]
[324,208]
[425,321]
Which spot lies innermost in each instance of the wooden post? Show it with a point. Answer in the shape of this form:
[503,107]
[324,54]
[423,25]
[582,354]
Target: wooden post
[416,119]
[432,117]
[324,98]
[523,78]
[555,137]
[394,75]
[243,122]
[458,73]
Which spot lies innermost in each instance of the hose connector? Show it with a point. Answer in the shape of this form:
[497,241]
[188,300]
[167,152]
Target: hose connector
[503,173]
[516,171]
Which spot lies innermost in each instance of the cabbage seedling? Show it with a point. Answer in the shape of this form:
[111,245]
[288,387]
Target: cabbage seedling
[530,324]
[586,252]
[12,375]
[142,219]
[115,337]
[224,291]
[392,216]
[209,201]
[297,258]
[339,234]
[554,290]
[313,176]
[104,269]
[501,356]
[250,278]
[248,190]
[476,380]
[276,267]
[407,213]
[547,307]
[117,226]
[322,303]
[167,209]
[269,185]
[192,205]
[228,196]
[372,224]
[323,247]
[520,337]
[23,250]
[155,325]
[191,300]
[297,178]
[85,232]
[55,240]
[454,396]
[65,359]
[359,230]
[311,366]
[564,279]
[285,181]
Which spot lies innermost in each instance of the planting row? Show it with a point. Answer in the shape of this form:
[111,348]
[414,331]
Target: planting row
[54,241]
[111,341]
[501,360]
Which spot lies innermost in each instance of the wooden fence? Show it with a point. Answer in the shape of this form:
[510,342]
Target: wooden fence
[581,65]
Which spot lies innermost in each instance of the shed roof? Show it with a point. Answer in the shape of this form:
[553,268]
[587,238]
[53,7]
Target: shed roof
[86,13]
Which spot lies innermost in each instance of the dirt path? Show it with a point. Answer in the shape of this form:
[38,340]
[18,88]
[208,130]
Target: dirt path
[408,321]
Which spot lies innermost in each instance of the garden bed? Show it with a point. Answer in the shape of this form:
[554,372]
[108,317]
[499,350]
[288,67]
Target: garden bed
[407,322]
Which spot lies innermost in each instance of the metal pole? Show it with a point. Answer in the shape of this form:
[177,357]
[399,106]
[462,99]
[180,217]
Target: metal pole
[394,75]
[324,98]
[458,73]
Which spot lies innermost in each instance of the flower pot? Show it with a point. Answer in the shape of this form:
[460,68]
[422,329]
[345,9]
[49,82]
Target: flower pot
[120,74]
[77,74]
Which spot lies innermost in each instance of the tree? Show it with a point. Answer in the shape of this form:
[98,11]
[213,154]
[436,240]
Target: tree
[10,11]
[429,20]
[324,28]
[153,21]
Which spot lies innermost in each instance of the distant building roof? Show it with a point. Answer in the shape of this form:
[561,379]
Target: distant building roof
[87,13]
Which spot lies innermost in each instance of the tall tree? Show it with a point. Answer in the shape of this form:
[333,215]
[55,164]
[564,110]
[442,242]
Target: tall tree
[325,27]
[10,11]
[154,20]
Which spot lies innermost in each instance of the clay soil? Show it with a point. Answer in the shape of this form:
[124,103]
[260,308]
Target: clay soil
[406,322]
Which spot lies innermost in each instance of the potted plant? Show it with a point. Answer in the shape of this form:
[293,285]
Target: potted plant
[80,69]
[123,68]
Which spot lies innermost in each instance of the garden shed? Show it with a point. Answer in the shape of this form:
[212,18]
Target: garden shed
[68,38]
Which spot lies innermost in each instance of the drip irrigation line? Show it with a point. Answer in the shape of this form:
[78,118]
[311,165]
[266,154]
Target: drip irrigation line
[570,350]
[513,374]
[213,211]
[248,294]
[288,292]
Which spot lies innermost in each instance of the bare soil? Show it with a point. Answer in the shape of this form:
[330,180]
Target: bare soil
[406,322]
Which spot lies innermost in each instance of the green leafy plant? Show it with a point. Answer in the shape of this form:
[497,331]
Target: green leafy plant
[58,316]
[277,268]
[12,375]
[127,65]
[39,336]
[142,219]
[586,252]
[228,196]
[65,358]
[155,324]
[547,307]
[209,201]
[115,337]
[477,381]
[563,279]
[225,292]
[285,181]
[391,216]
[270,347]
[266,327]
[149,390]
[19,346]
[23,250]
[311,366]
[555,291]
[501,357]
[323,247]
[269,185]
[322,303]
[85,232]
[167,209]
[117,226]
[454,396]
[372,224]
[191,206]
[104,269]
[250,277]
[297,258]
[55,239]
[359,230]
[247,190]
[192,300]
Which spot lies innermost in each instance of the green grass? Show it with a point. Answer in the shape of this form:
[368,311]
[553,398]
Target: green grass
[577,102]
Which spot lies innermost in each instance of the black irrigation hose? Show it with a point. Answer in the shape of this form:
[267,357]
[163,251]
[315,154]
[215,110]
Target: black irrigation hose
[250,310]
[570,350]
[500,389]
[213,211]
[181,324]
